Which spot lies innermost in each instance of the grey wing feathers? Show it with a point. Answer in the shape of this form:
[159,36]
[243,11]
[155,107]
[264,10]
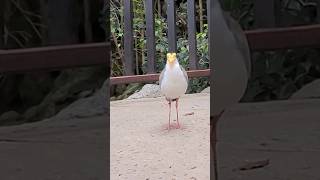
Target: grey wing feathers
[241,40]
[184,73]
[161,77]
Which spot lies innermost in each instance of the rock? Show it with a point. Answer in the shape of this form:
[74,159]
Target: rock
[70,86]
[29,88]
[85,94]
[31,113]
[45,94]
[105,87]
[34,87]
[147,91]
[87,107]
[8,92]
[9,117]
[206,90]
[311,90]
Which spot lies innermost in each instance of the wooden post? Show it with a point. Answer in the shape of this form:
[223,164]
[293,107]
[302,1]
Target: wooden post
[171,19]
[151,46]
[192,31]
[210,51]
[264,12]
[63,22]
[128,38]
[2,22]
[87,21]
[318,11]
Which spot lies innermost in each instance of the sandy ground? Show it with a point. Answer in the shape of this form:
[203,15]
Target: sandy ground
[286,133]
[54,150]
[143,148]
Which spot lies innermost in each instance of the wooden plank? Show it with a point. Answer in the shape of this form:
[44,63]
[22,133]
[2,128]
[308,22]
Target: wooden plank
[54,57]
[171,19]
[284,38]
[128,38]
[192,31]
[153,77]
[150,33]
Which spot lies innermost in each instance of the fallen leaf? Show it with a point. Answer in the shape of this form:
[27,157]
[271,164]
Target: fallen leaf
[189,114]
[254,165]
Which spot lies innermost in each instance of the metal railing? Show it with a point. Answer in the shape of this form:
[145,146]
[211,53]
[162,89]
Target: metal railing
[59,57]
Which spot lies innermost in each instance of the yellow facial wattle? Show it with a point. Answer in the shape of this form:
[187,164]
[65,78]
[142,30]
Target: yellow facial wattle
[171,57]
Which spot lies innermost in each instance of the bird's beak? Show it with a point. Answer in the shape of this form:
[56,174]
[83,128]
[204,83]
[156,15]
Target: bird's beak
[171,57]
[171,60]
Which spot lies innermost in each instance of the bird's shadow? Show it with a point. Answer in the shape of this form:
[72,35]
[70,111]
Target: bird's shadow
[173,127]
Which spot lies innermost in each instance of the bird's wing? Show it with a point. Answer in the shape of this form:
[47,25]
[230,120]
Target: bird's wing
[241,40]
[161,77]
[184,73]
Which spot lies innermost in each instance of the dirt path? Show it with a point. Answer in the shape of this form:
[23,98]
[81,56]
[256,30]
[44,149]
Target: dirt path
[142,147]
[286,133]
[54,150]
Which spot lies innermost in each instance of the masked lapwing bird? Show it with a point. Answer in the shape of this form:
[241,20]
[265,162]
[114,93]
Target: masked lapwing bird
[173,83]
[231,67]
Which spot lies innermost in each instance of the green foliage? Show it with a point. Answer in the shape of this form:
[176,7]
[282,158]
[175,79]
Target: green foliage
[161,41]
[116,12]
[241,10]
[21,26]
[277,75]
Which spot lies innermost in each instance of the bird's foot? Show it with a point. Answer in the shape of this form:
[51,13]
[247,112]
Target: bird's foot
[176,126]
[172,126]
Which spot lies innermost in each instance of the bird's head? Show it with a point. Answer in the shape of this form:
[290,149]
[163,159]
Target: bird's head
[171,58]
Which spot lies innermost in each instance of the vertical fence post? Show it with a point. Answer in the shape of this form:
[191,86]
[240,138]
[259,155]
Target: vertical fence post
[171,19]
[87,21]
[210,6]
[265,12]
[128,38]
[2,22]
[106,10]
[318,11]
[193,60]
[151,46]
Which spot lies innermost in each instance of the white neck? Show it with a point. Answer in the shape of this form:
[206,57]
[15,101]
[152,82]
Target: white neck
[174,65]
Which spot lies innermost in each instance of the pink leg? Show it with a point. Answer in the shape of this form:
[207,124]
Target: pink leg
[177,113]
[169,113]
[213,142]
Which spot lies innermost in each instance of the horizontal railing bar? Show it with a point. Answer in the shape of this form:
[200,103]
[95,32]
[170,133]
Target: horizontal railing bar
[154,77]
[284,38]
[54,57]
